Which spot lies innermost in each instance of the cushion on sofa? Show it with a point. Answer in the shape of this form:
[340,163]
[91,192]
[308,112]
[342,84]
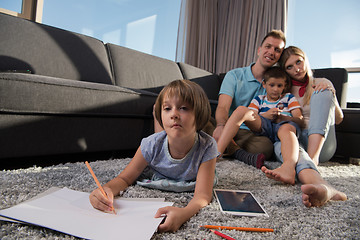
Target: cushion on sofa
[50,51]
[208,81]
[48,95]
[134,69]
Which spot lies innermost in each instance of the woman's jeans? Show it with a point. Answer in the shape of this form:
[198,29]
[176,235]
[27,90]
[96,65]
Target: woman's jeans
[322,121]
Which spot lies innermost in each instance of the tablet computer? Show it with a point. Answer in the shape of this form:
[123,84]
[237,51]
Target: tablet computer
[238,202]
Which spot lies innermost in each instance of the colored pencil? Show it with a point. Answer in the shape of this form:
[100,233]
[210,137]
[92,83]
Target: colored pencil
[240,228]
[97,182]
[222,235]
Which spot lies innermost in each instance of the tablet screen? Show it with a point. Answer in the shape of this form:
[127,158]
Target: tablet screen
[239,203]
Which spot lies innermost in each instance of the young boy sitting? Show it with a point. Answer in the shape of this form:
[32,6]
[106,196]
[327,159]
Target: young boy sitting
[276,115]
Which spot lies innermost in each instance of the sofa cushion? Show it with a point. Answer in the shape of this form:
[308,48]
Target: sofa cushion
[49,51]
[208,81]
[34,94]
[134,69]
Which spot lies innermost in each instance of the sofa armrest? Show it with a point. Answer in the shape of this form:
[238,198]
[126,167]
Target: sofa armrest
[339,78]
[348,134]
[351,121]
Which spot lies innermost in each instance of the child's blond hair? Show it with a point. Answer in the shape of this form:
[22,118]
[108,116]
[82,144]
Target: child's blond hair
[190,93]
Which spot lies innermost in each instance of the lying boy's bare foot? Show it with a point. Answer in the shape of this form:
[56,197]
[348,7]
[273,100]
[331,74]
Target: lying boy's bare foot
[315,195]
[283,174]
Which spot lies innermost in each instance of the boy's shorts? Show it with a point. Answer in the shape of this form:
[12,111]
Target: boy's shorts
[270,129]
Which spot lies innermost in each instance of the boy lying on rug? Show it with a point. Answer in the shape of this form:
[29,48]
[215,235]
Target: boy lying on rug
[181,158]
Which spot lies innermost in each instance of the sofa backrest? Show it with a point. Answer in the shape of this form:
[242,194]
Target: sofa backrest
[339,78]
[138,70]
[208,81]
[49,51]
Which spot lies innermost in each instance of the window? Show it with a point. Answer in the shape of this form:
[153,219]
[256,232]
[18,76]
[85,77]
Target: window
[329,32]
[143,25]
[12,5]
[354,87]
[28,9]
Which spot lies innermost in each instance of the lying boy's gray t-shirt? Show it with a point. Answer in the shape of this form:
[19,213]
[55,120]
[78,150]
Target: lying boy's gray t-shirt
[156,152]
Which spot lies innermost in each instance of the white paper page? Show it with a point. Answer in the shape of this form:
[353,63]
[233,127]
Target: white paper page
[50,190]
[70,212]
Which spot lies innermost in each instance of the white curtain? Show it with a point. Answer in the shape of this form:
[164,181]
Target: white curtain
[219,35]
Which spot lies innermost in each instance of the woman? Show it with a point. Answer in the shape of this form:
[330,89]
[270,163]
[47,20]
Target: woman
[320,107]
[317,98]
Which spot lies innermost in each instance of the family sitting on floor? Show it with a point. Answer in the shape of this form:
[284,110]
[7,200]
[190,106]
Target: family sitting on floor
[261,109]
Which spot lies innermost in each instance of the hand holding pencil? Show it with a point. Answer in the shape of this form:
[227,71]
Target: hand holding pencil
[99,198]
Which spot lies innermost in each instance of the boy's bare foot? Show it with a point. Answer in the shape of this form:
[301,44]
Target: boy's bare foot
[282,174]
[315,195]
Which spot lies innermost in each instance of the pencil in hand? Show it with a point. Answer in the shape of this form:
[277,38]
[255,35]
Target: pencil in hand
[98,183]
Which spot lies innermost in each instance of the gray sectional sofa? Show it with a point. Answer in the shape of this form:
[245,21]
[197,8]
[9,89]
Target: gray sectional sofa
[65,93]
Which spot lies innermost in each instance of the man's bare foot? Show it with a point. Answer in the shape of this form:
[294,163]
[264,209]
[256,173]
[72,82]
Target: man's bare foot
[282,174]
[316,195]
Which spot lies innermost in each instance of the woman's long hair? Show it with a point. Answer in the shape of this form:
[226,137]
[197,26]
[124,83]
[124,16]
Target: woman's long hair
[292,50]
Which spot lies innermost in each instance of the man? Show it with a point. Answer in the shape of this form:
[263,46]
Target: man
[238,88]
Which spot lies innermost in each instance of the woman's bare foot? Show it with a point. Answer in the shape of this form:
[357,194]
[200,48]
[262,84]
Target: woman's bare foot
[316,195]
[283,174]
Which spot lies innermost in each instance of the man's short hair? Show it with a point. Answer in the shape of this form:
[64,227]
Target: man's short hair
[275,34]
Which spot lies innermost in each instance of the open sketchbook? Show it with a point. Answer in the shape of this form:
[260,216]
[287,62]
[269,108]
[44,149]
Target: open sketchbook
[70,212]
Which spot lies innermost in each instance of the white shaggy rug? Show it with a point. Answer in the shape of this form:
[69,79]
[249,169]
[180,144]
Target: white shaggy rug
[287,215]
